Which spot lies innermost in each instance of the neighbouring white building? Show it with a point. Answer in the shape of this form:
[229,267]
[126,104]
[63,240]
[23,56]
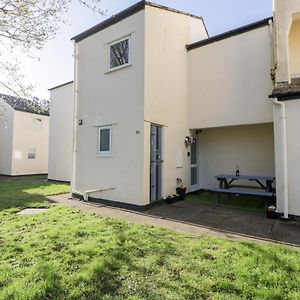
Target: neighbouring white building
[61,132]
[150,77]
[286,110]
[24,134]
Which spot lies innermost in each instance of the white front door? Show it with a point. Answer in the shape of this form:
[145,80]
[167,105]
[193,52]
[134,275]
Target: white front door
[194,167]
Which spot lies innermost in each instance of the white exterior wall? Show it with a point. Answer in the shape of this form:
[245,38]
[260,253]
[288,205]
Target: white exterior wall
[61,133]
[6,137]
[27,136]
[293,155]
[116,99]
[229,81]
[167,34]
[287,55]
[218,88]
[221,150]
[294,46]
[285,13]
[278,156]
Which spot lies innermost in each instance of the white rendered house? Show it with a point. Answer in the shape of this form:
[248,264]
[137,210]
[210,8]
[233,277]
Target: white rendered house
[150,77]
[24,134]
[132,107]
[61,132]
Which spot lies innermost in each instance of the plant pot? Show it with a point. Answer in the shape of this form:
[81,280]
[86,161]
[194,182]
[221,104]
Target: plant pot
[181,192]
[271,214]
[172,199]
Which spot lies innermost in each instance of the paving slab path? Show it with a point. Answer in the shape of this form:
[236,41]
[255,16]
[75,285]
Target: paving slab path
[199,219]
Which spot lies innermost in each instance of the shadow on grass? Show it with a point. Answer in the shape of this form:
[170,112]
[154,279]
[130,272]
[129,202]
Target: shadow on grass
[101,279]
[107,274]
[105,277]
[27,191]
[69,255]
[119,274]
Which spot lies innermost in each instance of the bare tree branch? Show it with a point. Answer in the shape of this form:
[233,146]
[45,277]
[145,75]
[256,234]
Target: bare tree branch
[28,25]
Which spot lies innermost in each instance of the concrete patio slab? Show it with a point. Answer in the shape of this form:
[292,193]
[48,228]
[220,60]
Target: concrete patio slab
[32,211]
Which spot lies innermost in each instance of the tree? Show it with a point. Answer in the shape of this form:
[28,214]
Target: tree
[28,25]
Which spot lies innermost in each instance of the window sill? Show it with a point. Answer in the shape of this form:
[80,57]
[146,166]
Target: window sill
[118,68]
[104,156]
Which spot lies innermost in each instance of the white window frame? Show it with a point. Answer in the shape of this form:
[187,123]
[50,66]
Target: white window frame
[104,153]
[32,150]
[128,37]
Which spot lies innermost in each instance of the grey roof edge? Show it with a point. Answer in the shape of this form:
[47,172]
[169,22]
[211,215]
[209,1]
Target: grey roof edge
[19,104]
[286,96]
[173,10]
[61,85]
[230,33]
[135,8]
[46,114]
[287,91]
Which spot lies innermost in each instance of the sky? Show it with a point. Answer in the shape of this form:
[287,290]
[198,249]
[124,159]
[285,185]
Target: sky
[55,65]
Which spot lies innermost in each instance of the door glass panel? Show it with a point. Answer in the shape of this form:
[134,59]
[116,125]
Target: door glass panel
[156,163]
[194,167]
[194,154]
[194,176]
[153,180]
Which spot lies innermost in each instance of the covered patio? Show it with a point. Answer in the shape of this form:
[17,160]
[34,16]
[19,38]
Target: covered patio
[247,149]
[241,216]
[235,160]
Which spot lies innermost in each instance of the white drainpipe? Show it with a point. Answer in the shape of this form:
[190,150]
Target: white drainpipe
[86,194]
[75,120]
[284,158]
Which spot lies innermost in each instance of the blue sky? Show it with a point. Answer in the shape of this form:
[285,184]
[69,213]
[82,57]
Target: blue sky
[56,62]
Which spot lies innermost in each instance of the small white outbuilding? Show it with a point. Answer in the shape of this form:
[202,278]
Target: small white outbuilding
[24,135]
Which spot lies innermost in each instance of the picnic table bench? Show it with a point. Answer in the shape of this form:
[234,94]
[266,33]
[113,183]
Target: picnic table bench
[264,185]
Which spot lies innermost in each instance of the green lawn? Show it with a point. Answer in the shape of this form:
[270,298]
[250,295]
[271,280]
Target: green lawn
[29,191]
[67,254]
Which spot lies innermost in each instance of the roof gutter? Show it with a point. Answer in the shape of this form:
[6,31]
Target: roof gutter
[61,85]
[228,34]
[286,96]
[135,8]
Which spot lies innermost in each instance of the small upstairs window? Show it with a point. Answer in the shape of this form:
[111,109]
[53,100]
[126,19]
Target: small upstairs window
[119,54]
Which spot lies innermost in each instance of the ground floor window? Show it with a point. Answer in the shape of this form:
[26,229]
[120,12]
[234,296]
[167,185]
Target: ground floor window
[104,141]
[31,154]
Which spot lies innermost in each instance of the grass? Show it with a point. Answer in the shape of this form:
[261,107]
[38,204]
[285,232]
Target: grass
[242,202]
[67,254]
[29,191]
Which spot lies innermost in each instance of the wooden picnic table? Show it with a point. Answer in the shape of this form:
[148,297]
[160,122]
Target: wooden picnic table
[264,182]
